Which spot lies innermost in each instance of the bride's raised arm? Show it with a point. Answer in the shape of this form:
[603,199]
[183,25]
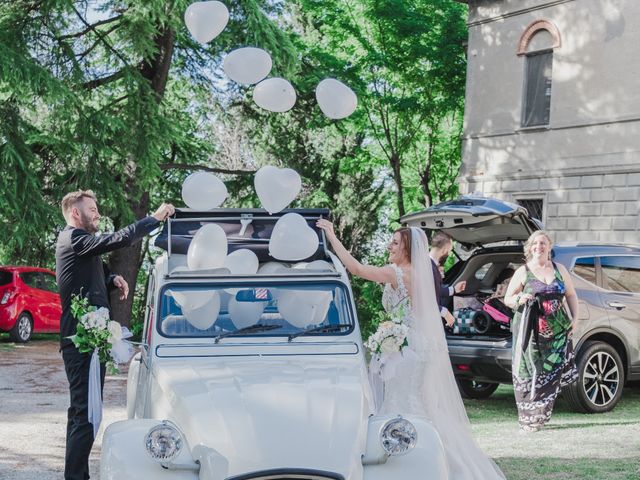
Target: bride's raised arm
[368,272]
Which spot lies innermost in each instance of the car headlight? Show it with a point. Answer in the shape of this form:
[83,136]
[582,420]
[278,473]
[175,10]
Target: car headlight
[163,442]
[398,436]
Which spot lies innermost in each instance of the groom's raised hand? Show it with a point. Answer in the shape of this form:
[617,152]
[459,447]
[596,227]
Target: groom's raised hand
[164,211]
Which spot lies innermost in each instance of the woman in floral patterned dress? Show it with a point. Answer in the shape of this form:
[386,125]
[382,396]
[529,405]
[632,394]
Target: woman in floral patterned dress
[543,358]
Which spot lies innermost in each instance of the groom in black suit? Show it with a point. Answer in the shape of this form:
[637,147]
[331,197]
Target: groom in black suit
[80,271]
[441,247]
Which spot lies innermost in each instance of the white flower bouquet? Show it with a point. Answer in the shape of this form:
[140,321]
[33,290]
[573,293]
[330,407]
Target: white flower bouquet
[389,338]
[95,331]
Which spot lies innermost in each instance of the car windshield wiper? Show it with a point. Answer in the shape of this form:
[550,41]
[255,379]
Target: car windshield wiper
[321,328]
[251,329]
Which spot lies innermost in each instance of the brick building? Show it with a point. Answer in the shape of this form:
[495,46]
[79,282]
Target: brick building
[552,116]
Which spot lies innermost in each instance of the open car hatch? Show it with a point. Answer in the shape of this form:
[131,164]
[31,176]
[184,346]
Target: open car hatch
[476,221]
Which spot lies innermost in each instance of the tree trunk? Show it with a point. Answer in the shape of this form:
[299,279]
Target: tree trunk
[126,261]
[425,178]
[397,177]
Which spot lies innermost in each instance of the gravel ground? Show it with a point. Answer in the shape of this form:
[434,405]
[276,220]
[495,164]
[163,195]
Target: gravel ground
[34,398]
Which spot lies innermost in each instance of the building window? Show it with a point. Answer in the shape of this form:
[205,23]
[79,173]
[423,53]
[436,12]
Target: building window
[537,91]
[536,46]
[535,207]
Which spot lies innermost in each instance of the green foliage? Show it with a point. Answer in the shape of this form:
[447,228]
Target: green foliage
[118,97]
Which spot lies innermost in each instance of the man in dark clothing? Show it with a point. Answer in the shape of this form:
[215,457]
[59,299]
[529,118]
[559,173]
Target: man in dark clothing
[440,249]
[80,271]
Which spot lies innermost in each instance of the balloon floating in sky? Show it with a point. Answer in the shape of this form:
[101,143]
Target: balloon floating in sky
[336,100]
[276,187]
[206,20]
[203,191]
[247,65]
[275,94]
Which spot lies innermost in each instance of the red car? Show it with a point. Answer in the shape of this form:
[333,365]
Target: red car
[29,302]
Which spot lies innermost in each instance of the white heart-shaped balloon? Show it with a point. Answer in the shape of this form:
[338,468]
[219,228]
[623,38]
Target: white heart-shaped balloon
[302,308]
[200,308]
[319,265]
[269,268]
[275,94]
[292,239]
[336,100]
[206,20]
[242,262]
[247,65]
[276,187]
[203,191]
[245,314]
[208,248]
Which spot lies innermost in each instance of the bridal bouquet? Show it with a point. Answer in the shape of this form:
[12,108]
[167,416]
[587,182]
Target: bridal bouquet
[389,338]
[96,333]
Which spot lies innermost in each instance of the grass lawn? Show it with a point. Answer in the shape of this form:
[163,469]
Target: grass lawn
[572,445]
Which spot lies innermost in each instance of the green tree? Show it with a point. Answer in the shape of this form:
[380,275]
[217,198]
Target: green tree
[107,97]
[406,60]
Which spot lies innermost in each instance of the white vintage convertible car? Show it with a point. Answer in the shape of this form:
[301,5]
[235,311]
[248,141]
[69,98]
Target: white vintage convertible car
[257,376]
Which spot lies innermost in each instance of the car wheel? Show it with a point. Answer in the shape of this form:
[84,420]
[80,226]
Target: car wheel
[22,330]
[477,390]
[600,379]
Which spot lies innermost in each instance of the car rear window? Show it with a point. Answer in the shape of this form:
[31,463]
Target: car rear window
[586,268]
[5,277]
[31,279]
[621,273]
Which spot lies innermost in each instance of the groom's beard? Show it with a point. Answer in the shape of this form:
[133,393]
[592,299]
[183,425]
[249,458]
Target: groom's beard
[87,223]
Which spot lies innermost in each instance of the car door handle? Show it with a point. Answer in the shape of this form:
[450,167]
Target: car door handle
[617,305]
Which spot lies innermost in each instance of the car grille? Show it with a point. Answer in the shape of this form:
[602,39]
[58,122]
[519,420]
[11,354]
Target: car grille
[289,474]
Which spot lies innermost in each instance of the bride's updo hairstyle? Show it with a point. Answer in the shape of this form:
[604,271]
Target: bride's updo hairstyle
[531,239]
[405,241]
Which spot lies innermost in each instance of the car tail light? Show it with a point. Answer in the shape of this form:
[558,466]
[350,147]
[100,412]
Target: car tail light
[464,367]
[6,297]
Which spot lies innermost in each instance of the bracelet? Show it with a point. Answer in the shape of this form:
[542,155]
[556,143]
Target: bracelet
[518,296]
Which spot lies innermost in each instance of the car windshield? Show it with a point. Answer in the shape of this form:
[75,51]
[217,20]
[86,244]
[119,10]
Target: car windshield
[257,310]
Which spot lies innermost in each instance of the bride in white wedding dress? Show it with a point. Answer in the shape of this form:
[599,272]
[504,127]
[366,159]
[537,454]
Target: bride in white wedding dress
[422,382]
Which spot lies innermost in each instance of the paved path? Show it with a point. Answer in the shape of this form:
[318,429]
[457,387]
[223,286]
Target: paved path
[34,398]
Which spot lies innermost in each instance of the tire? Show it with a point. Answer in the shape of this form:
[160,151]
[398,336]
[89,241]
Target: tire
[600,379]
[23,329]
[476,390]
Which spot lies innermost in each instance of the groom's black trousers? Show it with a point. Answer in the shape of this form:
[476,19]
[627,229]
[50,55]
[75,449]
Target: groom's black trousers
[79,429]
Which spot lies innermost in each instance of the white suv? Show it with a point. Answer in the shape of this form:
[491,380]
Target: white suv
[263,376]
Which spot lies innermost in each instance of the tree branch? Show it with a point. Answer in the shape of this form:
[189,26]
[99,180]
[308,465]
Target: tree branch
[96,43]
[90,85]
[89,28]
[100,36]
[189,166]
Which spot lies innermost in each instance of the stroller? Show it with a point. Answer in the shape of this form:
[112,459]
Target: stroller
[496,314]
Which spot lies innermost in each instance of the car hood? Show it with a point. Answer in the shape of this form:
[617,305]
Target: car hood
[476,221]
[264,413]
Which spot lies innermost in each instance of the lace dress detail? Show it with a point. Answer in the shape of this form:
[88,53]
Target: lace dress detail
[399,394]
[396,301]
